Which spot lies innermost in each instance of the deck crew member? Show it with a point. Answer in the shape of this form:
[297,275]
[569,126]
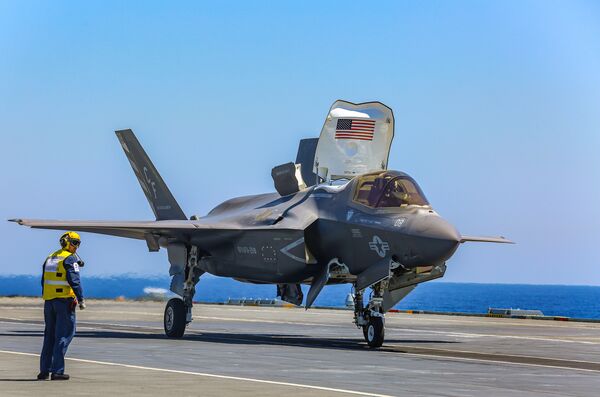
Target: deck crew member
[62,292]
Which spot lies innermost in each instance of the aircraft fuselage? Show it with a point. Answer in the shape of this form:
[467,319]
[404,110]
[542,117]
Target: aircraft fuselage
[337,227]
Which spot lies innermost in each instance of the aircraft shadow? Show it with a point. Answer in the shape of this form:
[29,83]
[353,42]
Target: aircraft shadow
[357,343]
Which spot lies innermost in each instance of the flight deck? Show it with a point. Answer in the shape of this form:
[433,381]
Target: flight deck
[120,348]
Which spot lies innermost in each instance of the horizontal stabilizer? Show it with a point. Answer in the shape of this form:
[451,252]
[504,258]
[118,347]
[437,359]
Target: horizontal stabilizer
[483,239]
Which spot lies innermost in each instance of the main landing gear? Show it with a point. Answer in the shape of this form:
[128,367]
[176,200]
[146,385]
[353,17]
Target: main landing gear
[371,318]
[175,318]
[178,312]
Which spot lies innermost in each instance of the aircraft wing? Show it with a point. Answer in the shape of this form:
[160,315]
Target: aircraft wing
[207,233]
[171,221]
[130,229]
[483,239]
[138,229]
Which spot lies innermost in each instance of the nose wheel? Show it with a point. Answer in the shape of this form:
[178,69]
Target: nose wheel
[374,331]
[371,318]
[175,318]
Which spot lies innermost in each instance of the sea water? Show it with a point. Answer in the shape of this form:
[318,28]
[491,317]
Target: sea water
[552,300]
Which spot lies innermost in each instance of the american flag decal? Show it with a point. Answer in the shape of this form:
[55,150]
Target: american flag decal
[361,129]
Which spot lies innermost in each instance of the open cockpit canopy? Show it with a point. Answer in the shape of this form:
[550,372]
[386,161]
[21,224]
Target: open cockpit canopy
[388,189]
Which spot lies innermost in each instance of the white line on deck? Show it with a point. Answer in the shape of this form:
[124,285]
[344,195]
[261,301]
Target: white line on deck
[174,371]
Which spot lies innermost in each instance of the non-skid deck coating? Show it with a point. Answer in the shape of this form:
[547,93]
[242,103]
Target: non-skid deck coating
[120,348]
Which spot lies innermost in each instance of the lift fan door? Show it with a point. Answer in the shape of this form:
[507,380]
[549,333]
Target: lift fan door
[355,139]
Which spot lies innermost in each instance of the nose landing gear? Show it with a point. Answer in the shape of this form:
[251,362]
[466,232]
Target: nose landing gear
[371,318]
[374,331]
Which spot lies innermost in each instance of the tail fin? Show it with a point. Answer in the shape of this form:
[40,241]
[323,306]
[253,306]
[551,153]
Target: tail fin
[158,194]
[306,158]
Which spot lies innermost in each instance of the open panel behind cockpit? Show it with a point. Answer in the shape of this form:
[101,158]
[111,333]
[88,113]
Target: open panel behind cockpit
[355,139]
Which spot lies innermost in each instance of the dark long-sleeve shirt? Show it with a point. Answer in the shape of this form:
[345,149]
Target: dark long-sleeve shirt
[72,268]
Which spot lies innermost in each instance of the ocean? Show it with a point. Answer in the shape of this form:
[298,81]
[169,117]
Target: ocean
[552,300]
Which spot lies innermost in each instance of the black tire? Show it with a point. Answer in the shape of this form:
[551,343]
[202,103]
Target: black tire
[374,331]
[175,318]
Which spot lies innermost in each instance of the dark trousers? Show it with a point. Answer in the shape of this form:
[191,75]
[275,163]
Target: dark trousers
[59,315]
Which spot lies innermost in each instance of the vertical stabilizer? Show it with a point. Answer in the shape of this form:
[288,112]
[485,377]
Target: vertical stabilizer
[159,196]
[306,158]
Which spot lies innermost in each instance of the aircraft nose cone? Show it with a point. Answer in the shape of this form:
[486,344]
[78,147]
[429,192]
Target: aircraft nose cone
[438,238]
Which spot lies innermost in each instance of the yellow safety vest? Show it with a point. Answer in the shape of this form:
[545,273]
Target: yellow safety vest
[55,277]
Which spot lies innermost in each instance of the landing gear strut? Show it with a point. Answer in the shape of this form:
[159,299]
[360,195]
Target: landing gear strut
[178,312]
[371,318]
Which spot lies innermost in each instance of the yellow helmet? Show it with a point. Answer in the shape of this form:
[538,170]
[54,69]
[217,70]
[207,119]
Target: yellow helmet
[70,238]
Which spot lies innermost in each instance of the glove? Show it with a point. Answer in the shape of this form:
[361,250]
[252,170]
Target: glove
[80,263]
[82,305]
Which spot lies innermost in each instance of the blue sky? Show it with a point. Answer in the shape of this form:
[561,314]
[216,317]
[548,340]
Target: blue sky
[496,107]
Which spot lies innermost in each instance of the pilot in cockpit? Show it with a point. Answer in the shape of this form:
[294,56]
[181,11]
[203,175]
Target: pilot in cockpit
[395,195]
[388,190]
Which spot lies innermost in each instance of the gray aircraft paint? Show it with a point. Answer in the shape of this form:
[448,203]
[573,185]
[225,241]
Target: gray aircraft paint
[248,237]
[318,235]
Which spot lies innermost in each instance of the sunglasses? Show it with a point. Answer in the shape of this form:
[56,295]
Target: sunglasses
[75,242]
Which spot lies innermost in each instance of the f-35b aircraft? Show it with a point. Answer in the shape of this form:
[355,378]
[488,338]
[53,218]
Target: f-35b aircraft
[338,216]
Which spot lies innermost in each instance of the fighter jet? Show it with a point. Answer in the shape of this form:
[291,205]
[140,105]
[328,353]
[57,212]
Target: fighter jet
[338,216]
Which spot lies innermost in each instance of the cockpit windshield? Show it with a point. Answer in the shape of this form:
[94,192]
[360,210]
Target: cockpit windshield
[388,189]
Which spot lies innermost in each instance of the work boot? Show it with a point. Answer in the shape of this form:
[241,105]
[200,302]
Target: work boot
[43,376]
[59,377]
